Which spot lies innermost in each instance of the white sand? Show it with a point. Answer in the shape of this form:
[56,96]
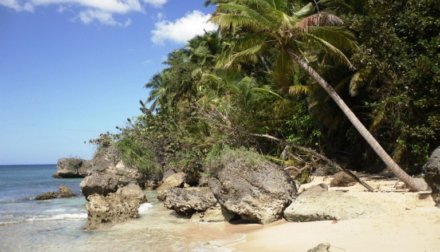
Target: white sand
[410,223]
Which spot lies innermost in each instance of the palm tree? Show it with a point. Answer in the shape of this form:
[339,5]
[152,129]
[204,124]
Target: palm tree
[299,34]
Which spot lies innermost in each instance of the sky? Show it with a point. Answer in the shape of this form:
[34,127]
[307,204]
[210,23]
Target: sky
[72,69]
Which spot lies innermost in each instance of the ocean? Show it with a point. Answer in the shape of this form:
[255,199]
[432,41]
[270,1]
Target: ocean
[57,224]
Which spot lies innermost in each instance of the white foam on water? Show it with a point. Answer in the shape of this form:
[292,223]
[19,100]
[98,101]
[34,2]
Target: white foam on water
[58,217]
[143,208]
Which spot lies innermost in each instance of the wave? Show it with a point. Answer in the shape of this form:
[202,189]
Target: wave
[58,217]
[68,216]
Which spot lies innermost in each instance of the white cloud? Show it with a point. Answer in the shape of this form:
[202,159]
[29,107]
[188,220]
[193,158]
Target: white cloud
[182,29]
[89,16]
[110,6]
[17,6]
[156,3]
[101,11]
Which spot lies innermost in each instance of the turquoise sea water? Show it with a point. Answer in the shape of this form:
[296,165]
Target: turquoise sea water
[57,225]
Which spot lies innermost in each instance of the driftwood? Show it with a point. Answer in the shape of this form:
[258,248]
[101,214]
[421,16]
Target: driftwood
[316,154]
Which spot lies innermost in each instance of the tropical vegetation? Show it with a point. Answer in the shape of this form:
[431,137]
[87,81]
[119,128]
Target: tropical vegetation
[335,76]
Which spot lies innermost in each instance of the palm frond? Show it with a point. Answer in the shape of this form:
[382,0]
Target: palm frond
[231,15]
[241,54]
[299,89]
[355,84]
[331,50]
[305,10]
[337,36]
[267,90]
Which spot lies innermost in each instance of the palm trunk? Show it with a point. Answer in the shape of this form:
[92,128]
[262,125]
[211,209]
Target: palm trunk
[412,183]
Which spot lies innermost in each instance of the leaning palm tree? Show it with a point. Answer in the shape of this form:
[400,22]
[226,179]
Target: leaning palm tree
[299,35]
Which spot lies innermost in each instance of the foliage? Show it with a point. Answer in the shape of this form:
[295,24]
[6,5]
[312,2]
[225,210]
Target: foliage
[222,87]
[399,74]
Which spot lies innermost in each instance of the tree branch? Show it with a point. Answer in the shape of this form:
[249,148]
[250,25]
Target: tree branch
[322,157]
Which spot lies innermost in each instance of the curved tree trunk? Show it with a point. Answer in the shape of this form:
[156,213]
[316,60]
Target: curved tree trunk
[412,183]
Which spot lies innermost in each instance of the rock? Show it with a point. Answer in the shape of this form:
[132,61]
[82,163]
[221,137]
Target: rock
[252,187]
[322,247]
[203,180]
[212,214]
[99,183]
[186,201]
[168,173]
[65,192]
[69,168]
[432,175]
[132,191]
[342,179]
[317,203]
[47,195]
[173,181]
[107,172]
[115,207]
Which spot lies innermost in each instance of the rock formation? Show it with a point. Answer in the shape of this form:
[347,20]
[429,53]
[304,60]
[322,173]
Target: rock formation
[186,201]
[252,188]
[71,168]
[107,173]
[172,181]
[318,203]
[63,192]
[99,183]
[115,207]
[432,174]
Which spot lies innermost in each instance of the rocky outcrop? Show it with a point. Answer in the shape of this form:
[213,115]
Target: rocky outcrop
[317,203]
[115,207]
[63,192]
[172,181]
[71,168]
[432,174]
[342,179]
[47,196]
[99,183]
[252,187]
[186,201]
[107,173]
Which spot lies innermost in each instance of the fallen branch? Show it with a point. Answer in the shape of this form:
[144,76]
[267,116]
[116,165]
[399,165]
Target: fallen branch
[322,157]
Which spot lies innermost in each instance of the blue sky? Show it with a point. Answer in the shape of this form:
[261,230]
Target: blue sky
[71,69]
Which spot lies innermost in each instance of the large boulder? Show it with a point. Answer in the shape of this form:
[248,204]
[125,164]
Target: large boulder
[172,181]
[115,207]
[251,187]
[432,174]
[99,183]
[186,201]
[70,168]
[318,203]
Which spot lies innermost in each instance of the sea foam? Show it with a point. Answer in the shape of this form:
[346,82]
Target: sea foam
[143,208]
